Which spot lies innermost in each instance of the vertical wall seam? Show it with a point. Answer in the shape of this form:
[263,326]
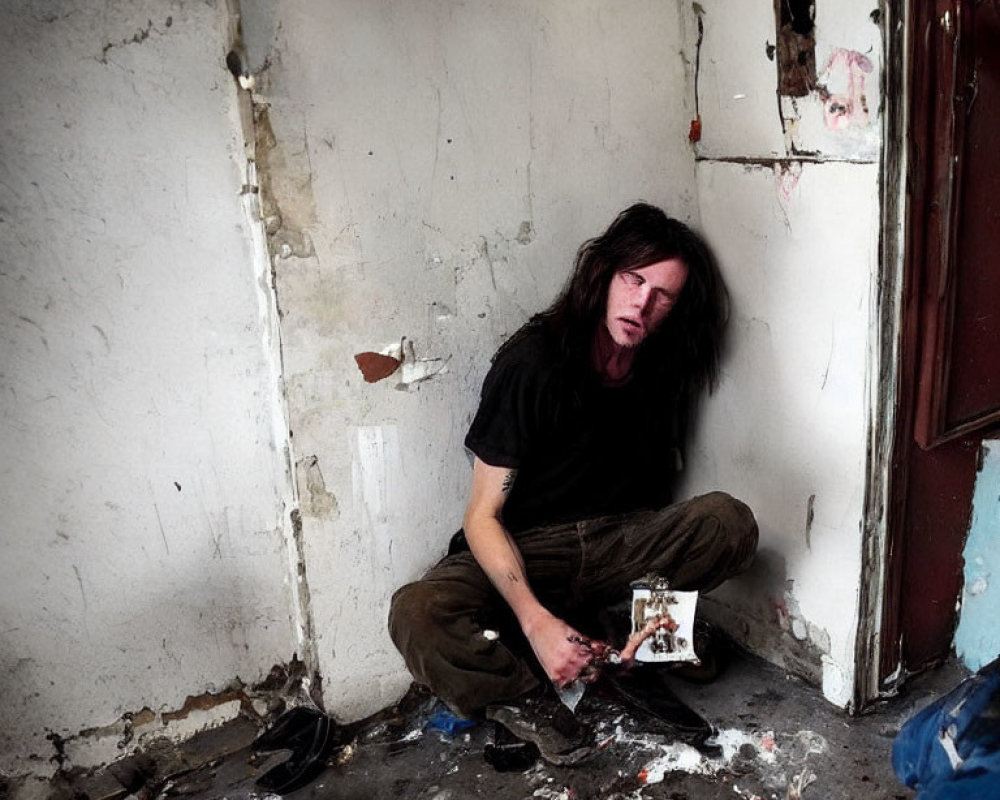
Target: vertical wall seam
[265,281]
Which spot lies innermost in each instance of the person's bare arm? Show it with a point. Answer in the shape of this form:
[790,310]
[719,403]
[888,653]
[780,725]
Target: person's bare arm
[498,555]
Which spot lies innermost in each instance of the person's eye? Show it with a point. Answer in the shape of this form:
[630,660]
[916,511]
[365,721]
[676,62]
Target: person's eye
[631,278]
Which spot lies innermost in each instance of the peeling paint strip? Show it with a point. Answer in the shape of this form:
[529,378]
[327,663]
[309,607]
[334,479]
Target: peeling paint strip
[201,702]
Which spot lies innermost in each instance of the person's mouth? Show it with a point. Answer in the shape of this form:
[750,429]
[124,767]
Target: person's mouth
[631,325]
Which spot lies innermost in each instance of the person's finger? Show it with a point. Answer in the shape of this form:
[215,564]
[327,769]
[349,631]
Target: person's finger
[599,648]
[589,674]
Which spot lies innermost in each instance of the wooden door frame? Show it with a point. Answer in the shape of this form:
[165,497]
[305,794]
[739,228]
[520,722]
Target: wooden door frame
[877,583]
[908,130]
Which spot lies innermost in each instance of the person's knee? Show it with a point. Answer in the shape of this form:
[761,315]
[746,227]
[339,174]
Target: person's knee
[735,520]
[410,609]
[736,516]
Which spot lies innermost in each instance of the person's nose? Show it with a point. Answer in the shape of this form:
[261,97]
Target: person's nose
[644,299]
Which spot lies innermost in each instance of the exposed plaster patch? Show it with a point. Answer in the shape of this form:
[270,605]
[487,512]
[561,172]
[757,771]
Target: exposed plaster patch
[378,366]
[790,620]
[94,763]
[316,501]
[201,702]
[286,243]
[416,370]
[526,233]
[312,680]
[837,683]
[772,623]
[286,195]
[148,730]
[441,312]
[376,468]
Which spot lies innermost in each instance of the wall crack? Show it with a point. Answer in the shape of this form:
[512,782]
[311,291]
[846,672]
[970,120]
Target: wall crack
[140,36]
[273,237]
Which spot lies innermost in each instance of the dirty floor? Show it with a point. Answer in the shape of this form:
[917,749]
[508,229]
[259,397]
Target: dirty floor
[779,740]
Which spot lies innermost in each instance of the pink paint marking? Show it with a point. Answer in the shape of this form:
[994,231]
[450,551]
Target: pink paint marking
[786,178]
[842,110]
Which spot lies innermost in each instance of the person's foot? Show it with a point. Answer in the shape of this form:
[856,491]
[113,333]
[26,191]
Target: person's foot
[505,752]
[644,689]
[713,651]
[561,738]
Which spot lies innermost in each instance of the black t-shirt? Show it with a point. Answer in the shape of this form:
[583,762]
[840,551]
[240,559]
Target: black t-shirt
[582,450]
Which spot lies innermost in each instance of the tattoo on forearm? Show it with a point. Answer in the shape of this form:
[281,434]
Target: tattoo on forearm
[512,577]
[508,480]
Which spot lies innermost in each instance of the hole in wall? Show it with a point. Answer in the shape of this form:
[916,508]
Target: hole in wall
[798,14]
[234,63]
[796,46]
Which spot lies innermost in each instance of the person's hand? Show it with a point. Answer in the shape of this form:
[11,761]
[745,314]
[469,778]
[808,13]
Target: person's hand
[564,654]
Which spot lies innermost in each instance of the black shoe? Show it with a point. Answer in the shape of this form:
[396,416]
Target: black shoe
[310,735]
[505,752]
[713,649]
[292,729]
[643,688]
[560,737]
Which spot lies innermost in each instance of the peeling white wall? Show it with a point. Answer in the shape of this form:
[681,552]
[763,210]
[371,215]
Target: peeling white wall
[457,154]
[435,167]
[798,241]
[142,474]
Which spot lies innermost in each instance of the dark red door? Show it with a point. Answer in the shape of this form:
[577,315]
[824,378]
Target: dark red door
[949,390]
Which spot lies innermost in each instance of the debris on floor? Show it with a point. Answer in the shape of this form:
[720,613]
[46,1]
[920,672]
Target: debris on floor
[448,723]
[774,738]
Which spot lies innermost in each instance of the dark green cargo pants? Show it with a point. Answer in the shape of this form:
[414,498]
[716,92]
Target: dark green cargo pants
[438,621]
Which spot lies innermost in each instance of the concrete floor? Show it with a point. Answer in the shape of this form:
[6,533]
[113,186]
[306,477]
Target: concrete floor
[780,740]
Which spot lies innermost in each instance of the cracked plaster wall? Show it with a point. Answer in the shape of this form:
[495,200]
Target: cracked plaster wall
[142,474]
[443,166]
[789,194]
[443,162]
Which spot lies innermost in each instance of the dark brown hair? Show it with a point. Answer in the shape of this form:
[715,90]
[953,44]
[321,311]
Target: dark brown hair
[682,355]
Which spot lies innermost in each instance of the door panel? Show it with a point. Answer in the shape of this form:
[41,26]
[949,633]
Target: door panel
[949,369]
[959,388]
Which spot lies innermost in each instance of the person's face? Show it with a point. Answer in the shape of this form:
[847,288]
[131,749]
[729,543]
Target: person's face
[640,299]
